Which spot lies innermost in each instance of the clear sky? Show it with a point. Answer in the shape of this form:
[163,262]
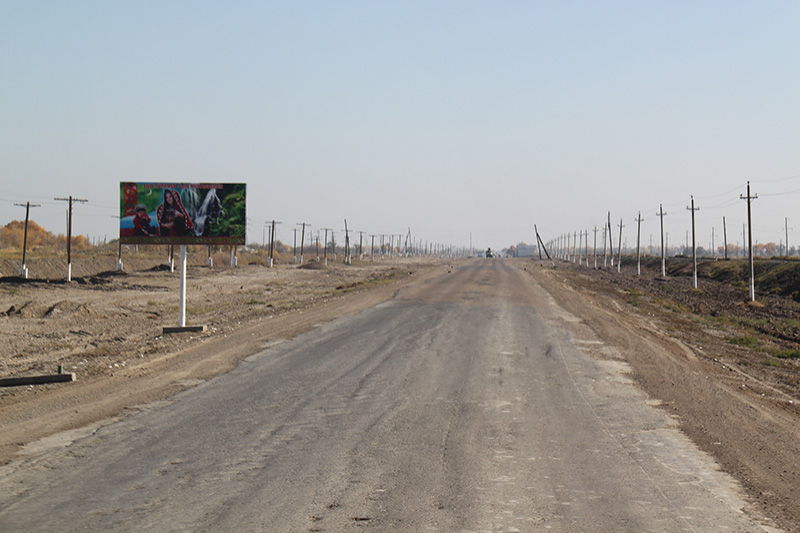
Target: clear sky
[449,117]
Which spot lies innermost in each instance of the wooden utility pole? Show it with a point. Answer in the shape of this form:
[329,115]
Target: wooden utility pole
[23,271]
[744,237]
[638,244]
[750,199]
[594,253]
[694,246]
[786,226]
[575,248]
[302,238]
[69,232]
[713,243]
[272,242]
[347,259]
[661,214]
[541,243]
[325,247]
[725,237]
[586,247]
[610,240]
[538,245]
[619,248]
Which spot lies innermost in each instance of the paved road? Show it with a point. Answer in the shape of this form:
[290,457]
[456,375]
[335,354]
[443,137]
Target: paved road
[463,404]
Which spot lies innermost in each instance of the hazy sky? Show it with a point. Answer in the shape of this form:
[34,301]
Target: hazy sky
[448,117]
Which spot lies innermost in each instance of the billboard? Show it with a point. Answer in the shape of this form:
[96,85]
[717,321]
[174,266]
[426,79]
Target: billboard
[182,213]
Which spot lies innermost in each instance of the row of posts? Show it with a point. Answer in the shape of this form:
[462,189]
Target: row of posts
[567,252]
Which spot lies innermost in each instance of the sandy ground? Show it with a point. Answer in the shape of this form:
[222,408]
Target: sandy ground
[107,328]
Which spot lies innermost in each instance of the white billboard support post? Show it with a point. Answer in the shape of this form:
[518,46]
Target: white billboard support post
[182,322]
[182,306]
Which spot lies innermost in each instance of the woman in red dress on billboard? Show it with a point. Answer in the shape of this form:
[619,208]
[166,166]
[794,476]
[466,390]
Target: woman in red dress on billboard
[172,217]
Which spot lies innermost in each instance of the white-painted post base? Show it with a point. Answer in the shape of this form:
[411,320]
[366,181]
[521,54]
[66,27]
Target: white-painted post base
[69,271]
[23,272]
[120,266]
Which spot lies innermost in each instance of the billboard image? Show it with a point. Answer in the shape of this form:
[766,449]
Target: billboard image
[182,213]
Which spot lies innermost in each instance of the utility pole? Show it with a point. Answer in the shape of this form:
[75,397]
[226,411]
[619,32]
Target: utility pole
[538,245]
[23,271]
[541,243]
[302,238]
[744,237]
[595,247]
[372,247]
[360,245]
[725,237]
[610,240]
[586,248]
[661,214]
[580,250]
[619,248]
[347,258]
[786,226]
[638,244]
[325,247]
[575,248]
[713,251]
[272,242]
[750,199]
[694,246]
[294,244]
[69,231]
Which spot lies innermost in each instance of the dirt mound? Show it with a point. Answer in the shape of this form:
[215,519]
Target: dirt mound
[313,265]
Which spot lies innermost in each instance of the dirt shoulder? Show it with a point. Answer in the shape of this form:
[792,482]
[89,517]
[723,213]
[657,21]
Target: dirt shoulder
[738,404]
[107,329]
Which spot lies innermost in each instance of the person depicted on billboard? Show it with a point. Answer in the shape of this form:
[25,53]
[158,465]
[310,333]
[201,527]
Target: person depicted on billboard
[172,217]
[141,223]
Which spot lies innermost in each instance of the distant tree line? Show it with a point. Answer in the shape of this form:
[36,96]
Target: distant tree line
[13,234]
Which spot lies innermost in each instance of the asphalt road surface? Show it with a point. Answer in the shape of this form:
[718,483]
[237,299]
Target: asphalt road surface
[463,404]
